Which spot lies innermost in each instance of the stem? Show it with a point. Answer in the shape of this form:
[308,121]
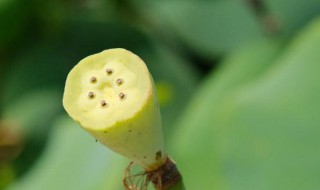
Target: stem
[178,186]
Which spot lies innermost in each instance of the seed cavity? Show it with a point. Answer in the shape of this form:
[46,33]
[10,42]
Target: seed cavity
[122,95]
[109,71]
[103,103]
[91,95]
[119,82]
[93,80]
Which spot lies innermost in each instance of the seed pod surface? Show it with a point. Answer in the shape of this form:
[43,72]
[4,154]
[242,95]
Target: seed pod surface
[123,117]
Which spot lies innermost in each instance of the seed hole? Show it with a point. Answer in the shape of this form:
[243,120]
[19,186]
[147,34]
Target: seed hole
[109,71]
[93,80]
[122,95]
[91,95]
[119,82]
[103,103]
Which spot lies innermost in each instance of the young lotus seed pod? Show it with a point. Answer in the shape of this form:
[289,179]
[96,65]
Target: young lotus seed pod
[111,95]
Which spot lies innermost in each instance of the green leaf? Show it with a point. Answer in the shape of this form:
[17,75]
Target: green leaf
[7,175]
[254,124]
[41,66]
[73,160]
[13,17]
[33,112]
[293,14]
[196,140]
[210,28]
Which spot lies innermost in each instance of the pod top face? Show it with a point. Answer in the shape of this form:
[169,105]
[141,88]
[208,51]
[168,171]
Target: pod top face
[106,88]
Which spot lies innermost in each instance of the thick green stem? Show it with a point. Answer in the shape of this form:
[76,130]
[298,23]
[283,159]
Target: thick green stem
[178,186]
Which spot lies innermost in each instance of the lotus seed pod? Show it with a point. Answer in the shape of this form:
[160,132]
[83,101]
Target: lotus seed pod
[111,95]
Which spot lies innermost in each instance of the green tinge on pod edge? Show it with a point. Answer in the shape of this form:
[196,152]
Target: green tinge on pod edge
[111,95]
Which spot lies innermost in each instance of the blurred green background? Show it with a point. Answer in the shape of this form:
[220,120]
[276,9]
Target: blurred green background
[238,83]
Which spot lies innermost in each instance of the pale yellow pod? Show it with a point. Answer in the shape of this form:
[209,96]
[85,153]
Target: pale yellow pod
[112,96]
